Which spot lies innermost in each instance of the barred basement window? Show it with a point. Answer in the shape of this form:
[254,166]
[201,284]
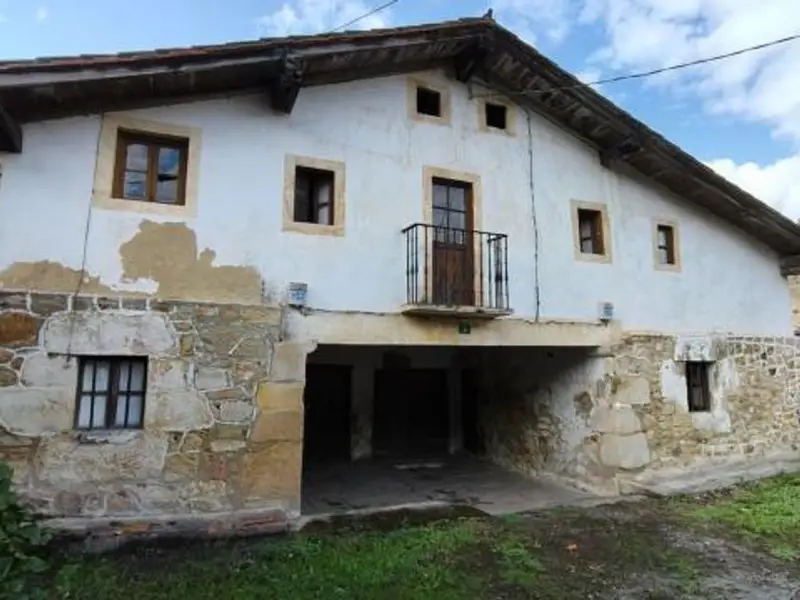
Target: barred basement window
[697,386]
[111,393]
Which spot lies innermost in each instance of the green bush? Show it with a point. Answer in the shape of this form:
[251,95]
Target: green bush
[23,546]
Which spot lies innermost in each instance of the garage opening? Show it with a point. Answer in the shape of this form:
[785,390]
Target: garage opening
[394,425]
[326,437]
[412,413]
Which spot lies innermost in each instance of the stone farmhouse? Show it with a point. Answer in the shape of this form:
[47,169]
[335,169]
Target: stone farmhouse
[224,266]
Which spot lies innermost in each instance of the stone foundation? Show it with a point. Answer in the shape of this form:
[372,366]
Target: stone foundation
[601,420]
[755,389]
[223,420]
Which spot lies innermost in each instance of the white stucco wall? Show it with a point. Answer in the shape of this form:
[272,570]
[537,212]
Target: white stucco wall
[728,281]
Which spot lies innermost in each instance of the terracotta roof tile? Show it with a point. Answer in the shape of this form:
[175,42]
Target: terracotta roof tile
[130,58]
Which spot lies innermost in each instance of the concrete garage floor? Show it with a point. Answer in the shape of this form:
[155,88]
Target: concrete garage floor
[460,479]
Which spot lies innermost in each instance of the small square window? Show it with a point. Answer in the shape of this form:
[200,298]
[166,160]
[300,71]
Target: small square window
[590,231]
[697,386]
[429,102]
[150,168]
[665,241]
[111,393]
[313,196]
[496,115]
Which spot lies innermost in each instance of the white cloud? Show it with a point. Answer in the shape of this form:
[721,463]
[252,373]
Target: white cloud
[315,16]
[41,13]
[530,17]
[777,184]
[761,86]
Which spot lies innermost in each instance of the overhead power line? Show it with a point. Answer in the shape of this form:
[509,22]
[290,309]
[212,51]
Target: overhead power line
[375,10]
[697,62]
[676,67]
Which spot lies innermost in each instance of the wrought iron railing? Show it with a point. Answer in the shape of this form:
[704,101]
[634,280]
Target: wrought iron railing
[456,267]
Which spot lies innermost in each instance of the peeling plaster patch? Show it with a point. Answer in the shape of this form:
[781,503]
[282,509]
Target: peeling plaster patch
[167,375]
[177,411]
[625,451]
[673,384]
[110,332]
[42,370]
[620,419]
[701,348]
[51,277]
[167,253]
[65,461]
[633,391]
[33,412]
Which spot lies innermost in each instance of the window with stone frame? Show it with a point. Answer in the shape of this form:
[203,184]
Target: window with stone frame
[698,388]
[150,168]
[313,195]
[590,231]
[111,392]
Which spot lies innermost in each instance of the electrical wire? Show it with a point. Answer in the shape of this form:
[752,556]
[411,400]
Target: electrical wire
[675,67]
[532,191]
[375,10]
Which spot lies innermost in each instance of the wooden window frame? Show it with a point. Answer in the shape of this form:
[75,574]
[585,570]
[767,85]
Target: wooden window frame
[154,143]
[337,225]
[674,251]
[595,237]
[315,176]
[112,393]
[601,227]
[698,378]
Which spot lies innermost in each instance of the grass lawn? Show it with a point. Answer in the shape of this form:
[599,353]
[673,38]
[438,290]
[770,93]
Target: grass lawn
[737,544]
[765,513]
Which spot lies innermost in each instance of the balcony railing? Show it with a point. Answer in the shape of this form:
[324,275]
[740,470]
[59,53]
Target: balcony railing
[456,270]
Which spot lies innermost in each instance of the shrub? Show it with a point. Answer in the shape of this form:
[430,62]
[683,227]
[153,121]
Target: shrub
[23,546]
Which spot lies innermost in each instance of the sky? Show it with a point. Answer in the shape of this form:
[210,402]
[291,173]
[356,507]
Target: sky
[741,116]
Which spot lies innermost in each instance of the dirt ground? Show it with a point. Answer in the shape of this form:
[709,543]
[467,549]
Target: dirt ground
[740,544]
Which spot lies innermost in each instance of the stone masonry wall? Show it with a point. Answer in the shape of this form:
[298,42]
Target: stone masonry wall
[223,413]
[755,390]
[603,418]
[537,407]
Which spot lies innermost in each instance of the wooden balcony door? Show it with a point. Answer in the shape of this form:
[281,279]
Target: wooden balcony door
[452,257]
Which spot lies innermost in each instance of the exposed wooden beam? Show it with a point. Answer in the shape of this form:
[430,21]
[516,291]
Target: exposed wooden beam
[620,152]
[790,265]
[285,87]
[10,133]
[468,61]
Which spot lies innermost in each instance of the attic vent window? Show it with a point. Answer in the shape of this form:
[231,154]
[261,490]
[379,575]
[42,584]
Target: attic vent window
[429,102]
[496,115]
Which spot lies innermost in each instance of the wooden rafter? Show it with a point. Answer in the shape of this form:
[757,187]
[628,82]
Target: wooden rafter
[10,133]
